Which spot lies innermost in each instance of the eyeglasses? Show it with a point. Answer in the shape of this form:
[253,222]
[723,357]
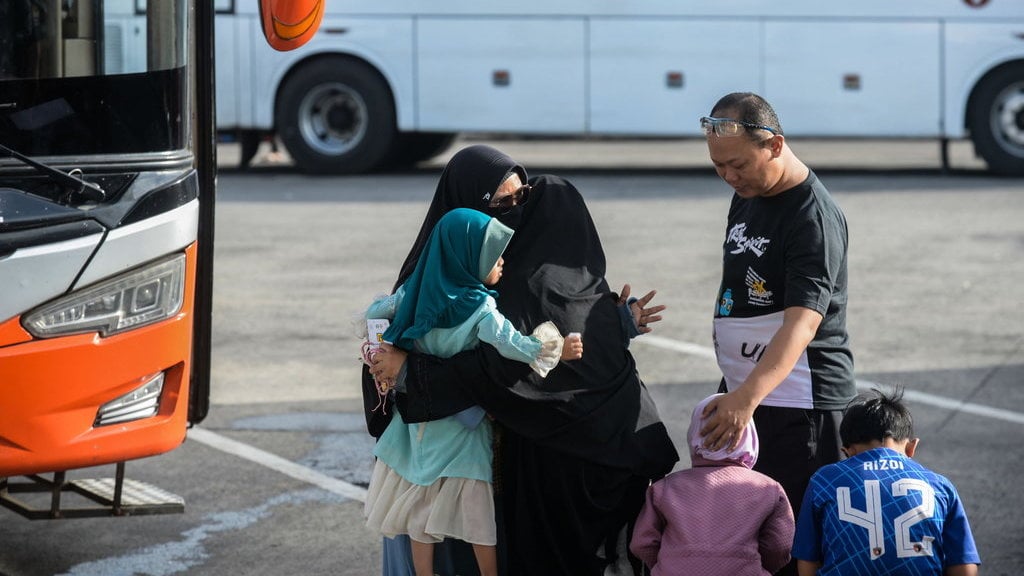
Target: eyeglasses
[517,198]
[727,127]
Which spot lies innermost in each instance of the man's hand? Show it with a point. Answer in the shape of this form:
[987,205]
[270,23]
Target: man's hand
[734,409]
[726,416]
[642,315]
[388,362]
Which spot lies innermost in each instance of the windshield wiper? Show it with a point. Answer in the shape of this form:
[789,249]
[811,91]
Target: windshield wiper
[77,185]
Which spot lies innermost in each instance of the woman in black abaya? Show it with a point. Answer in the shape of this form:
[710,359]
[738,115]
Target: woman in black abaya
[470,180]
[579,447]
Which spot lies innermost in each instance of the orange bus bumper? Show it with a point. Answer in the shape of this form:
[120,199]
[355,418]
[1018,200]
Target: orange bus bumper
[51,390]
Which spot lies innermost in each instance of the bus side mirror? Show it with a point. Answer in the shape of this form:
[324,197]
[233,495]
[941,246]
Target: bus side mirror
[289,24]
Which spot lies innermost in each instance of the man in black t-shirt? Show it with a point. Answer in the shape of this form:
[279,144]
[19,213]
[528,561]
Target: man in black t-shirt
[780,321]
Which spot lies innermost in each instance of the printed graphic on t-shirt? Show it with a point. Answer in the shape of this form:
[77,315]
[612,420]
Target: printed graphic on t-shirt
[725,303]
[757,293]
[738,235]
[771,260]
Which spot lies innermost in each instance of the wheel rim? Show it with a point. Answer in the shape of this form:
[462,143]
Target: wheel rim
[1007,118]
[333,119]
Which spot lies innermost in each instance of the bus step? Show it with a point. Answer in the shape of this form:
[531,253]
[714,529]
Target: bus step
[136,497]
[116,496]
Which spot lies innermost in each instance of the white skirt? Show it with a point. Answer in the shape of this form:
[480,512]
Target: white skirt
[459,508]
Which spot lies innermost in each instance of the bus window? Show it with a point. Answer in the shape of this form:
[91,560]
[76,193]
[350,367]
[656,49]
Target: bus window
[68,89]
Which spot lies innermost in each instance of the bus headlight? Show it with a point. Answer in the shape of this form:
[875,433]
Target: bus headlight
[139,297]
[142,402]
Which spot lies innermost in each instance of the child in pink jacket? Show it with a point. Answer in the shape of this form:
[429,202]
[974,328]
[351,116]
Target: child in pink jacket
[717,518]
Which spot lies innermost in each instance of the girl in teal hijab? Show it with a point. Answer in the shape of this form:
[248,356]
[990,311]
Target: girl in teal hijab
[433,480]
[447,285]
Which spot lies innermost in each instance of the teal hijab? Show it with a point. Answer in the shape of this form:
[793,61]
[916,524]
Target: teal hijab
[446,287]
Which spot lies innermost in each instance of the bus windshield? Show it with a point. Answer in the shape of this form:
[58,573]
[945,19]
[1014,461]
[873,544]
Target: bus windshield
[70,85]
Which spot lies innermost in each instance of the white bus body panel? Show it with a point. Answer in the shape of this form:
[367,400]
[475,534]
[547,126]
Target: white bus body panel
[233,93]
[544,62]
[128,246]
[53,268]
[631,61]
[894,64]
[31,276]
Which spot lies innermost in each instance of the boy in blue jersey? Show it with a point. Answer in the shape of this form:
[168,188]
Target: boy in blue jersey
[879,512]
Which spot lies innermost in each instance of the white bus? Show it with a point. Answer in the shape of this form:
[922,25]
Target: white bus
[392,82]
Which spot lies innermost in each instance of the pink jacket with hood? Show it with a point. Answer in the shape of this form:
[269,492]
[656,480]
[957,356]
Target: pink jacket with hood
[719,517]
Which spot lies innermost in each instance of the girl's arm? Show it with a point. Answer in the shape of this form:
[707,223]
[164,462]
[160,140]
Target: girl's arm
[496,330]
[542,349]
[386,306]
[776,537]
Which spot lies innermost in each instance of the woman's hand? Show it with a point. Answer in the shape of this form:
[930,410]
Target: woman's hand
[387,363]
[642,315]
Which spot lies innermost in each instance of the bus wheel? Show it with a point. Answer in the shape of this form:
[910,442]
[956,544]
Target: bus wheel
[413,147]
[997,120]
[335,116]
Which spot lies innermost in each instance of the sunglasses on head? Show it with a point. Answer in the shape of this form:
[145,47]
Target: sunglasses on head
[510,201]
[727,127]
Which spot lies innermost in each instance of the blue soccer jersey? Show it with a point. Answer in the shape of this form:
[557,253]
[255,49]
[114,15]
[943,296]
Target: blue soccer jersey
[880,512]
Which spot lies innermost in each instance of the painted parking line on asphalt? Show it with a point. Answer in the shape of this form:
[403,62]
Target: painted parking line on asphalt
[911,395]
[677,346]
[951,404]
[274,462]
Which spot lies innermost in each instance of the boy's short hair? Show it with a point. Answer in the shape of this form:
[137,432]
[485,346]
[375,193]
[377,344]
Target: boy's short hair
[876,416]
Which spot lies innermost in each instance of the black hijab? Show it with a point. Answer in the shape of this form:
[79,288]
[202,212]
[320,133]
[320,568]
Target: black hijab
[595,408]
[469,180]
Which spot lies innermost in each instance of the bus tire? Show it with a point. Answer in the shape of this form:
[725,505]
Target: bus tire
[996,119]
[336,116]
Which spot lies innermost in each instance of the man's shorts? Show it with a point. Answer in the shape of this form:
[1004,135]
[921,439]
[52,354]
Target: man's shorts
[794,443]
